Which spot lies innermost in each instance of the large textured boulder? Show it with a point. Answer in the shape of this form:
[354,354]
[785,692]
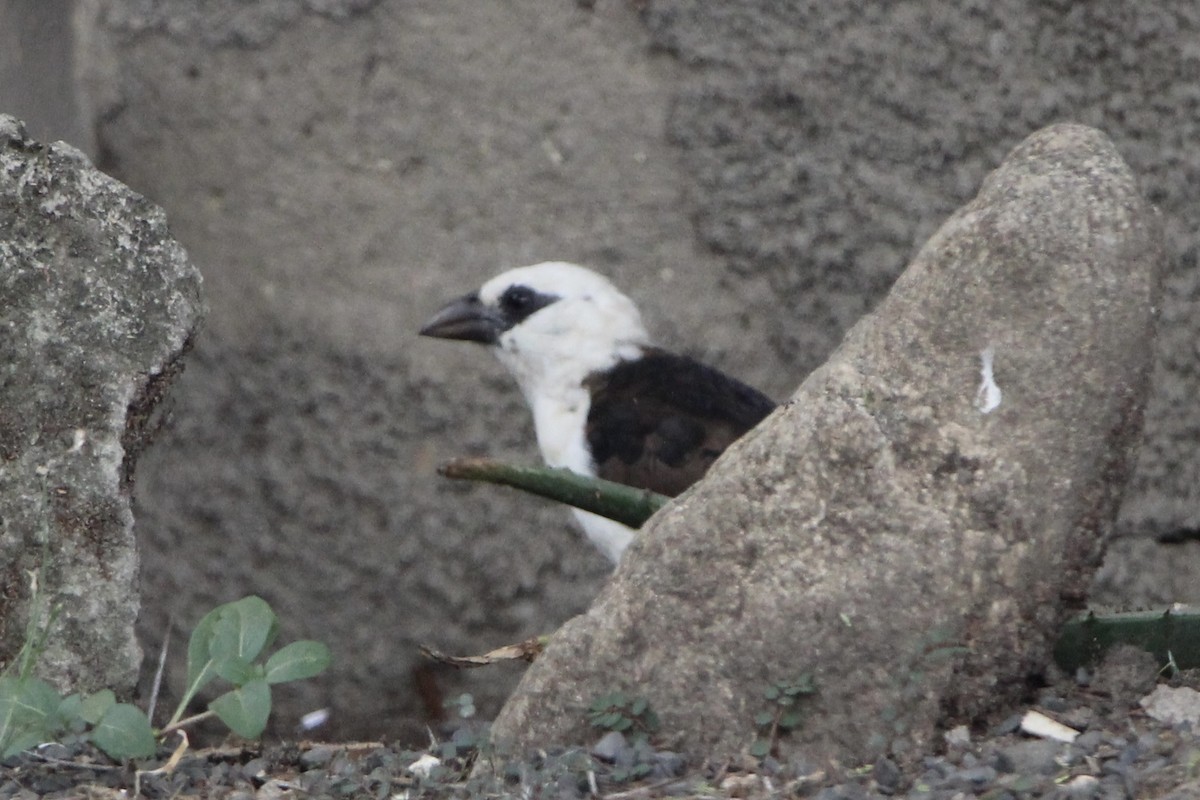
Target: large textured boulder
[913,526]
[98,303]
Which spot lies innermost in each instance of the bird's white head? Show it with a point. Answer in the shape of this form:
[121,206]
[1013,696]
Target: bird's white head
[552,324]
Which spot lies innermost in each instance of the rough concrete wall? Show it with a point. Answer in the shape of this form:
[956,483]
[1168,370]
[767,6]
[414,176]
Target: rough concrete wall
[38,81]
[338,169]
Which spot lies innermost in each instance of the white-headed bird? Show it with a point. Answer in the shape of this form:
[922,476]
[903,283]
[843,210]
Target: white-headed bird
[605,401]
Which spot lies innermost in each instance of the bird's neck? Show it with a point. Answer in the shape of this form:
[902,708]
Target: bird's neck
[555,390]
[560,422]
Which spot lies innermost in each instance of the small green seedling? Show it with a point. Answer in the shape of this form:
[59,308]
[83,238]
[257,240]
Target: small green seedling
[225,644]
[782,714]
[631,716]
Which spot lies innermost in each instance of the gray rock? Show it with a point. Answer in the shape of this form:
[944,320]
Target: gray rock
[885,485]
[975,778]
[1173,705]
[99,305]
[886,774]
[610,746]
[1033,757]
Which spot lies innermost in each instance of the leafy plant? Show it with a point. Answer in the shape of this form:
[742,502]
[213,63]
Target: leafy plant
[225,644]
[32,711]
[618,712]
[782,714]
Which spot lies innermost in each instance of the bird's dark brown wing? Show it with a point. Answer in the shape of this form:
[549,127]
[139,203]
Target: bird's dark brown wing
[658,422]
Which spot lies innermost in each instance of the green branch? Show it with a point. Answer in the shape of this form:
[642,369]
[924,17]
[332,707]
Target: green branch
[615,501]
[1172,636]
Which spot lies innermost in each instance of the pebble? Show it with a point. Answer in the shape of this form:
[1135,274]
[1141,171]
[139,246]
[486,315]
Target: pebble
[610,747]
[887,775]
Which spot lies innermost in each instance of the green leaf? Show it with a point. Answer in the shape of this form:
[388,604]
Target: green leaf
[236,670]
[69,714]
[771,692]
[200,660]
[240,629]
[764,719]
[28,710]
[243,628]
[761,748]
[297,661]
[93,709]
[606,701]
[610,700]
[245,709]
[124,732]
[638,706]
[790,720]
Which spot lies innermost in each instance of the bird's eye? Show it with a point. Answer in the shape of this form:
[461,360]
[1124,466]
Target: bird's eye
[517,299]
[518,302]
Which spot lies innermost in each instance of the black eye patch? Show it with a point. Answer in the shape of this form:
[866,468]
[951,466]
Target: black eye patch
[518,302]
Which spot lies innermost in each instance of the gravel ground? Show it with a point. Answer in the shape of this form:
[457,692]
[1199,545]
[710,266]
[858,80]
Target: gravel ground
[1122,752]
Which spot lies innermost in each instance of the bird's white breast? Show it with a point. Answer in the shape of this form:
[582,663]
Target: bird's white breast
[560,420]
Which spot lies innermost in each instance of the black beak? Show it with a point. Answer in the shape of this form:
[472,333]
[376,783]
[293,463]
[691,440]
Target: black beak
[466,319]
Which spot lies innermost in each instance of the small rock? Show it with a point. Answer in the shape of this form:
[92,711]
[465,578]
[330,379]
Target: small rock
[741,785]
[54,750]
[1173,706]
[1011,724]
[976,778]
[1090,741]
[847,791]
[668,765]
[274,790]
[1082,786]
[610,747]
[887,775]
[424,766]
[1038,757]
[254,768]
[317,756]
[1053,703]
[959,736]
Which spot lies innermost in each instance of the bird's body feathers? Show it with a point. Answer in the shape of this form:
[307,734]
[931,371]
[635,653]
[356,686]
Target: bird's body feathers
[658,422]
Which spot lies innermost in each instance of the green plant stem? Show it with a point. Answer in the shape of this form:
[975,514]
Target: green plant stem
[615,501]
[183,723]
